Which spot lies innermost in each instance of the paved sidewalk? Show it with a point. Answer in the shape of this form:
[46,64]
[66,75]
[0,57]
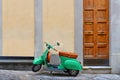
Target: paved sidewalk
[29,75]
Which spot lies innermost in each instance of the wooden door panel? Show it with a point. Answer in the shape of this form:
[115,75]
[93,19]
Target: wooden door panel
[89,52]
[88,4]
[101,38]
[89,38]
[101,26]
[88,15]
[102,52]
[101,4]
[101,15]
[88,26]
[96,30]
[100,45]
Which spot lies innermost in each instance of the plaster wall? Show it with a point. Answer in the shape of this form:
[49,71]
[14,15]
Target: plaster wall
[114,35]
[58,23]
[18,27]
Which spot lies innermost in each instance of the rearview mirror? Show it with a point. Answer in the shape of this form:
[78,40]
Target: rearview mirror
[58,44]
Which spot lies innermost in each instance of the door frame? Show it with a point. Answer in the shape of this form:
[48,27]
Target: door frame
[95,33]
[79,30]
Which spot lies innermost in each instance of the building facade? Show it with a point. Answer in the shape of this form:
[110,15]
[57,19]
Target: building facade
[89,28]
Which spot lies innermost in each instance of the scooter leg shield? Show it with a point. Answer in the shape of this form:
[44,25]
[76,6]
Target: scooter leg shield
[38,60]
[72,64]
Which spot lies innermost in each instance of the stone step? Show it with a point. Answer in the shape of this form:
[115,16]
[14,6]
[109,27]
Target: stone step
[97,69]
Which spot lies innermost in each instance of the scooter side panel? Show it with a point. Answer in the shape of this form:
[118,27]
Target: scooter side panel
[38,60]
[72,64]
[61,67]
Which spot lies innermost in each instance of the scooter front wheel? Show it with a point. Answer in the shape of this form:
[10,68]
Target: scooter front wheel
[36,68]
[73,72]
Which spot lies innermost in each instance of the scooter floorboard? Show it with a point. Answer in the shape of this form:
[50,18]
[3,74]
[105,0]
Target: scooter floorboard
[53,69]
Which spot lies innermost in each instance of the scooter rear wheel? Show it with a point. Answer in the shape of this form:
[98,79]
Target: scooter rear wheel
[73,72]
[36,68]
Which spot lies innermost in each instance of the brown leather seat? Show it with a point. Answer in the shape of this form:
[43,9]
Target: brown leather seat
[68,54]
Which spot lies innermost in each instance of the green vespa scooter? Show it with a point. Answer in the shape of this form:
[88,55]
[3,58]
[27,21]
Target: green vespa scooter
[68,64]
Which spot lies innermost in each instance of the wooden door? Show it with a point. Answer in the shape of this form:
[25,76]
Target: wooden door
[96,29]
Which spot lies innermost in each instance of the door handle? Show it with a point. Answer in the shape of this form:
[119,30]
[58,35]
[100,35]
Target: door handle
[102,32]
[89,32]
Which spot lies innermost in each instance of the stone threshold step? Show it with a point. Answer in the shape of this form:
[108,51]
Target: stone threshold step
[96,67]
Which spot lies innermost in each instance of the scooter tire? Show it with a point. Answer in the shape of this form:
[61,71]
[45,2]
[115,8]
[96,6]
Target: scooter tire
[36,68]
[73,72]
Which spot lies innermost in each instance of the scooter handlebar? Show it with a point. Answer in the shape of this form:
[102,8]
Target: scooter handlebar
[50,46]
[55,49]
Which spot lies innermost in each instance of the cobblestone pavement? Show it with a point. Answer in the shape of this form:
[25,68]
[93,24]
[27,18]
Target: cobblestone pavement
[29,75]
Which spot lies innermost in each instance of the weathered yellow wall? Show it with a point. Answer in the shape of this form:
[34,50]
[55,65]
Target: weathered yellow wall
[58,22]
[18,27]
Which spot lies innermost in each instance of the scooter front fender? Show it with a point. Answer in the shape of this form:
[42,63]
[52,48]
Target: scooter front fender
[38,60]
[72,64]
